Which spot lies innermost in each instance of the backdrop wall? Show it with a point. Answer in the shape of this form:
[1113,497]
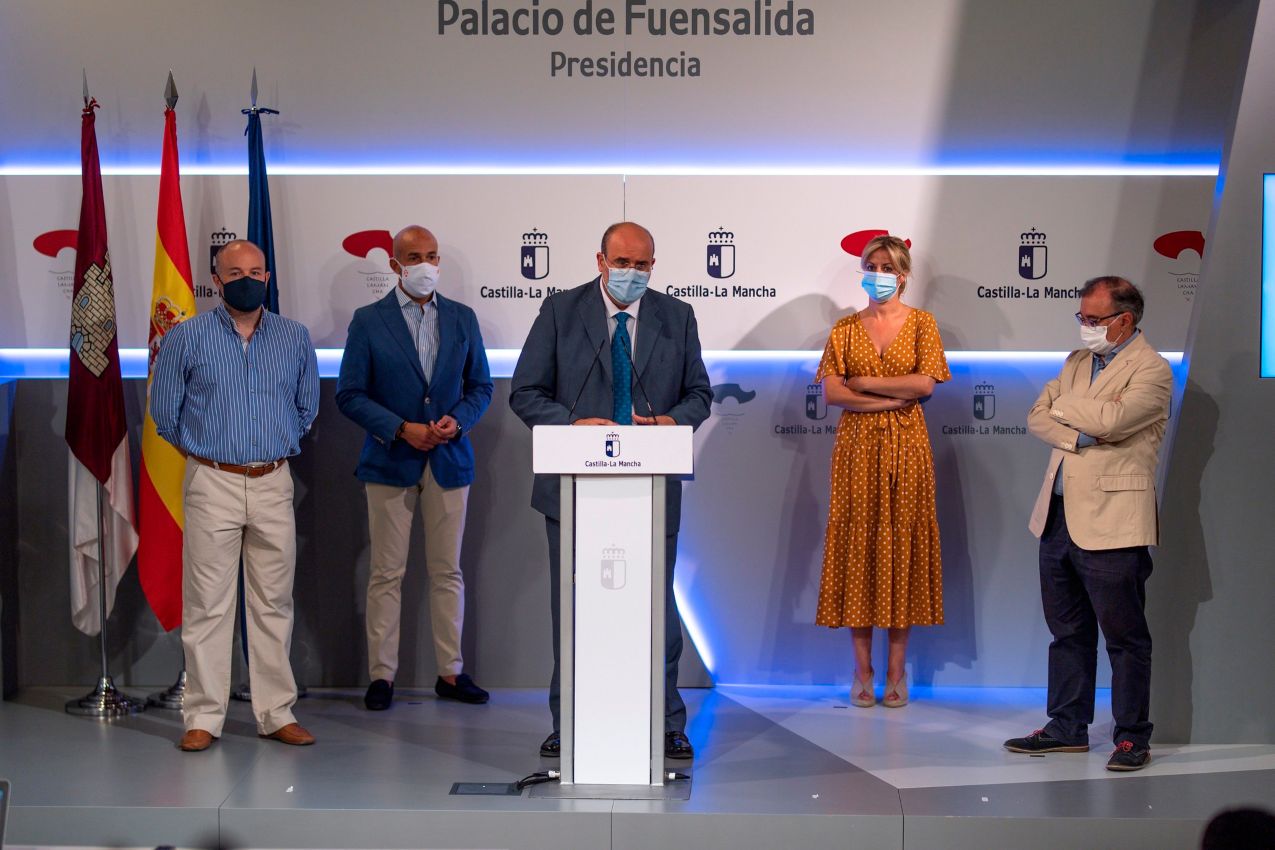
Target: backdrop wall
[1021,147]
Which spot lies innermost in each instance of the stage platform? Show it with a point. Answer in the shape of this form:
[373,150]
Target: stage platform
[782,768]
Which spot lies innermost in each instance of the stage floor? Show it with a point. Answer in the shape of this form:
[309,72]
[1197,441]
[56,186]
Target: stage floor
[776,767]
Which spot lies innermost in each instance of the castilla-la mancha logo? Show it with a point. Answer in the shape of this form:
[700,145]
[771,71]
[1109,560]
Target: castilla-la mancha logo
[613,444]
[855,243]
[377,276]
[52,244]
[535,255]
[218,240]
[721,253]
[816,405]
[984,401]
[1033,255]
[1184,248]
[615,565]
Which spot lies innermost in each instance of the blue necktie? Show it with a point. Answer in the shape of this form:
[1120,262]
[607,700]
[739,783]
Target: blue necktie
[621,373]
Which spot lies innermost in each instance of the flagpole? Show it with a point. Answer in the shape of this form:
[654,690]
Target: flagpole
[174,697]
[258,220]
[104,701]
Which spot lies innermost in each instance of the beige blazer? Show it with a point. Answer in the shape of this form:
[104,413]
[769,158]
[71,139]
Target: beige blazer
[1109,488]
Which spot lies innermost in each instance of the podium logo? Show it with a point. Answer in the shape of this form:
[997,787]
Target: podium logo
[984,401]
[535,255]
[1033,256]
[52,244]
[816,405]
[721,253]
[613,445]
[615,568]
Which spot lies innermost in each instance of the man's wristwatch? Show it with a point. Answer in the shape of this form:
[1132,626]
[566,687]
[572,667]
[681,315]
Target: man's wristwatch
[399,433]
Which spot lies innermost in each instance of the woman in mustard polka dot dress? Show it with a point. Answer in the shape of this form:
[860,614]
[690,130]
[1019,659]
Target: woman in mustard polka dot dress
[881,564]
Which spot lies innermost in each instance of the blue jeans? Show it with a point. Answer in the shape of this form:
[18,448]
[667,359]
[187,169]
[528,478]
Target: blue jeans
[674,707]
[1084,590]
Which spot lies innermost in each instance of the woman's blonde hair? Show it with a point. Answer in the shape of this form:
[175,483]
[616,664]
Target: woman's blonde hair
[900,256]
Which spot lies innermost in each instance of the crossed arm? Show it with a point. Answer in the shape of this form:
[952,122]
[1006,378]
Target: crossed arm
[871,394]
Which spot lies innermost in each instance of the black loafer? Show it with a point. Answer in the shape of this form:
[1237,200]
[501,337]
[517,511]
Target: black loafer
[1040,742]
[463,691]
[677,746]
[379,695]
[552,746]
[1129,756]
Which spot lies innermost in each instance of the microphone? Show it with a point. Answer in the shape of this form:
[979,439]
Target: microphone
[592,365]
[633,367]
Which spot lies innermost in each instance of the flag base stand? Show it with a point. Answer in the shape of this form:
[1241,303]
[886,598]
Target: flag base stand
[105,702]
[172,699]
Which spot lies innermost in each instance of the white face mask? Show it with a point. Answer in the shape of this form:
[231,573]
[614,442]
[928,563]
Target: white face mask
[420,280]
[1095,339]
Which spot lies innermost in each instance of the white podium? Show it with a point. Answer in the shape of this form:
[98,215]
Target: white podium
[612,594]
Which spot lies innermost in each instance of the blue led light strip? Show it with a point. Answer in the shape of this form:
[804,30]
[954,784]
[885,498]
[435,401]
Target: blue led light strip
[54,363]
[1010,169]
[1267,343]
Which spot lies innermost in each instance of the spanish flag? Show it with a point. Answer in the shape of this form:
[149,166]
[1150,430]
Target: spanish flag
[159,553]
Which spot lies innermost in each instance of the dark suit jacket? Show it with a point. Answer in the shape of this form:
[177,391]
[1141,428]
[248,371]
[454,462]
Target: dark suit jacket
[382,385]
[556,359]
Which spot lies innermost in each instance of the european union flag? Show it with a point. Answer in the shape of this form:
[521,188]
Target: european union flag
[260,229]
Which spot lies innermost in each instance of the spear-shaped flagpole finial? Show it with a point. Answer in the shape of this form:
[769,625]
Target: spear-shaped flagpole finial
[254,87]
[85,75]
[170,91]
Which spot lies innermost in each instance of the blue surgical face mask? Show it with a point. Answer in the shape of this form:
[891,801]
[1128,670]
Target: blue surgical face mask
[627,285]
[880,286]
[244,294]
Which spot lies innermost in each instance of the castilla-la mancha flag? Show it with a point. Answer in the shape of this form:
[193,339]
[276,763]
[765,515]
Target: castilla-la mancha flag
[96,431]
[159,556]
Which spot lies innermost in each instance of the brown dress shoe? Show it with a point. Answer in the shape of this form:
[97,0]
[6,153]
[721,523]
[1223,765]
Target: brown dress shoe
[292,734]
[195,740]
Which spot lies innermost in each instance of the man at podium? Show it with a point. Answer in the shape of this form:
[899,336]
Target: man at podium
[650,373]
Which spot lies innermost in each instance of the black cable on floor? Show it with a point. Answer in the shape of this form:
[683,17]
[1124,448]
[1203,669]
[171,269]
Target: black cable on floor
[538,779]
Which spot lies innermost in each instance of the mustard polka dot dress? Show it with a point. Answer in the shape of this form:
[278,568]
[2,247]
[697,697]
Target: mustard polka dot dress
[881,561]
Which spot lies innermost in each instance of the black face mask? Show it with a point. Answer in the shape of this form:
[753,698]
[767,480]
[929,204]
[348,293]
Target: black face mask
[245,294]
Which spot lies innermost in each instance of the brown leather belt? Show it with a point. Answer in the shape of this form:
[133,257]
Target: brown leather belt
[236,469]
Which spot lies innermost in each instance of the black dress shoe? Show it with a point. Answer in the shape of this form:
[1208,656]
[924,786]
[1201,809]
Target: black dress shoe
[677,746]
[463,691]
[552,746]
[379,695]
[1129,756]
[1042,742]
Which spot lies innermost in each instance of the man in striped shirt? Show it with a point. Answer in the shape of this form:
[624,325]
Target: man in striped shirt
[234,390]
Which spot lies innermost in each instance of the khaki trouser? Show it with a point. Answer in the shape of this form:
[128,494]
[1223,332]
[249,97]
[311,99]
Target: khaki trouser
[389,516]
[227,514]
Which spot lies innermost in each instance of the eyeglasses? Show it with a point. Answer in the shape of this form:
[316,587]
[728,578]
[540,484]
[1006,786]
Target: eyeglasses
[622,263]
[1093,323]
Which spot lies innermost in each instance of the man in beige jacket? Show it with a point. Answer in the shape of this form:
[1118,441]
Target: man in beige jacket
[1104,417]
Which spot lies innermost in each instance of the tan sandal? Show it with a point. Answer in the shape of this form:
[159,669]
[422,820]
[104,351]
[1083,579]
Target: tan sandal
[896,694]
[863,694]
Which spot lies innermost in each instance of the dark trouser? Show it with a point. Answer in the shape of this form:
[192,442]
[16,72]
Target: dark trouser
[1083,591]
[674,708]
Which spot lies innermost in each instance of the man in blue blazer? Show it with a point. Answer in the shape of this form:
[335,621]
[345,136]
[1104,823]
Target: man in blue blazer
[415,376]
[564,377]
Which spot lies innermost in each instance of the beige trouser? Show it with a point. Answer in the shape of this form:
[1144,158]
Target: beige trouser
[227,514]
[389,519]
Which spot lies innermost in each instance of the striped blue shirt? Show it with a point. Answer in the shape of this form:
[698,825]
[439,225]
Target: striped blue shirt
[422,324]
[213,397]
